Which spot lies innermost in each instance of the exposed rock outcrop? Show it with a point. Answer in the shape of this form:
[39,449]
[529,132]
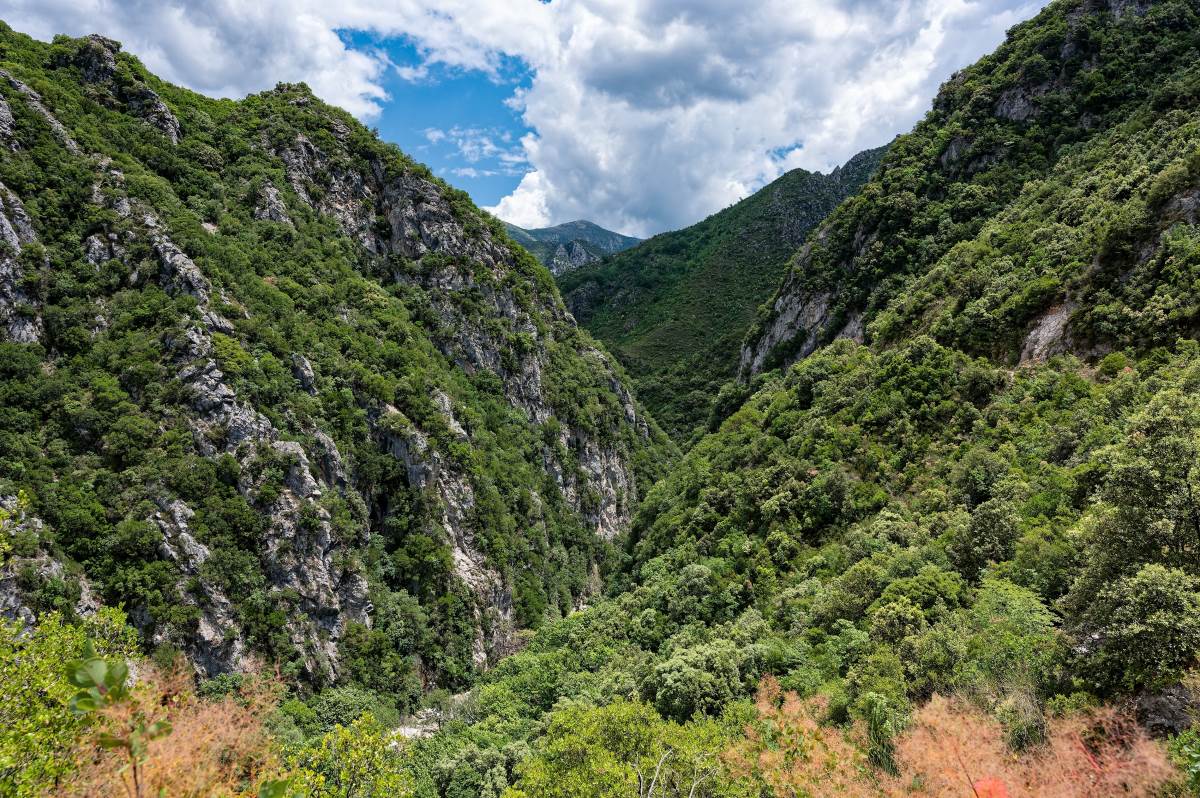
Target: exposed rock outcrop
[34,101]
[96,59]
[17,315]
[22,574]
[309,518]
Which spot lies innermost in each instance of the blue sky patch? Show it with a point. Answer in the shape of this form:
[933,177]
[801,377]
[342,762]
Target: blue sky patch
[456,121]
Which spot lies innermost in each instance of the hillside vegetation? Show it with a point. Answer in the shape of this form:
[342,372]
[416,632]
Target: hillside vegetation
[674,308]
[570,245]
[943,539]
[280,394]
[1044,205]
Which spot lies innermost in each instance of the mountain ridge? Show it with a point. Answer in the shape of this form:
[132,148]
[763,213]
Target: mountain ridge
[675,308]
[854,277]
[940,537]
[330,399]
[569,245]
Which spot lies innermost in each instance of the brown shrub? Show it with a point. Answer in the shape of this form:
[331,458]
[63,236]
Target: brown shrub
[951,749]
[788,751]
[216,747]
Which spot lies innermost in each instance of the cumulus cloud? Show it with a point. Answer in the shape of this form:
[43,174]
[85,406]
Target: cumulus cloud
[222,48]
[645,114]
[651,115]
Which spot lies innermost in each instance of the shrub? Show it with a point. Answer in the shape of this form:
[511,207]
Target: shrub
[215,747]
[953,747]
[358,760]
[36,729]
[1147,630]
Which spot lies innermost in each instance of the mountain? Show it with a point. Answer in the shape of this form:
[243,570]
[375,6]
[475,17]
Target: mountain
[941,539]
[1036,210]
[278,392]
[953,499]
[570,245]
[674,308]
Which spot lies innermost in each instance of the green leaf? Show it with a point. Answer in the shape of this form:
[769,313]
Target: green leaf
[160,728]
[107,740]
[118,672]
[274,789]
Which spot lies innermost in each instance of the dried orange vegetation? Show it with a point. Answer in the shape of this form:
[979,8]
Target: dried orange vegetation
[791,753]
[951,749]
[216,748]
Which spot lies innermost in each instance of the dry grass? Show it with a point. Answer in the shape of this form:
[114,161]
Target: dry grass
[216,748]
[792,754]
[951,749]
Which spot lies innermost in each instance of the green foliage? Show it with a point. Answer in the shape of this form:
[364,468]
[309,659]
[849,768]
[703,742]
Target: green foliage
[1146,628]
[875,524]
[330,343]
[674,308]
[36,730]
[358,760]
[101,683]
[625,749]
[341,706]
[1185,750]
[1026,197]
[697,681]
[990,537]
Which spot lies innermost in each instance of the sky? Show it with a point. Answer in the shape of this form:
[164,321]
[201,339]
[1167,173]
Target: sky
[640,115]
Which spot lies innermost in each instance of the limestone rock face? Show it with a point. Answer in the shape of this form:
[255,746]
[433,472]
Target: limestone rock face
[17,316]
[20,573]
[422,227]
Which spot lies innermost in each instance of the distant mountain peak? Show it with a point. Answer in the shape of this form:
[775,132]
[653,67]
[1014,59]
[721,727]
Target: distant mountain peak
[570,245]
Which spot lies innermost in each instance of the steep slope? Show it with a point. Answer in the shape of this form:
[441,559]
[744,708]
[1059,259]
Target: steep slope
[676,307]
[1038,208]
[279,392]
[570,245]
[878,524]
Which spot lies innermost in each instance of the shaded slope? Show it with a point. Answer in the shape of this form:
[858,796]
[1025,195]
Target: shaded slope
[675,307]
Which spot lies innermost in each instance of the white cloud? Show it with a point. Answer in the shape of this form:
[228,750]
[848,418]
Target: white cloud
[647,114]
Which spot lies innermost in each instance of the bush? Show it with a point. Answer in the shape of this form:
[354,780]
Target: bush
[1146,629]
[38,731]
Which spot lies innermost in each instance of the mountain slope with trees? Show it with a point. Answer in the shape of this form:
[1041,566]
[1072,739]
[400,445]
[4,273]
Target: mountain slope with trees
[279,393]
[1036,210]
[906,515]
[570,245]
[942,539]
[674,308]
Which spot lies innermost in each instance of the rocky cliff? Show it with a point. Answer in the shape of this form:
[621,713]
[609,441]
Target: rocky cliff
[570,245]
[306,402]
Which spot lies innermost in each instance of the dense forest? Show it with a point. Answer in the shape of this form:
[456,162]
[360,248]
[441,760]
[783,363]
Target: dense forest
[299,438]
[674,308]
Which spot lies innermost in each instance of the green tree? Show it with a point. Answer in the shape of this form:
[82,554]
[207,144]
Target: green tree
[698,680]
[360,760]
[626,750]
[1150,499]
[1144,630]
[36,726]
[990,537]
